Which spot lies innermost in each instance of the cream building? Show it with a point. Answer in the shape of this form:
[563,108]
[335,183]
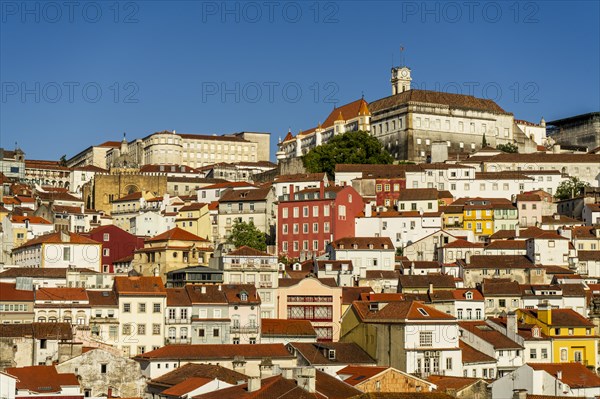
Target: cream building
[193,150]
[142,301]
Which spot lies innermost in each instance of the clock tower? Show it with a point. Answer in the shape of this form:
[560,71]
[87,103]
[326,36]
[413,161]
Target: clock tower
[400,79]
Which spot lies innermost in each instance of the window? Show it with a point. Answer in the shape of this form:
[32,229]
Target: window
[141,308]
[141,329]
[106,252]
[103,368]
[305,211]
[67,254]
[215,332]
[106,237]
[449,363]
[502,303]
[315,227]
[126,308]
[155,329]
[325,210]
[533,353]
[425,338]
[156,308]
[201,332]
[544,353]
[315,211]
[284,213]
[563,355]
[126,329]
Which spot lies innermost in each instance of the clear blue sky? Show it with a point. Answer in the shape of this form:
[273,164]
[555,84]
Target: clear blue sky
[74,76]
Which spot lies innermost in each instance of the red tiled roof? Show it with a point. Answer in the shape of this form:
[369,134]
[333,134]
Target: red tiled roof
[359,374]
[472,355]
[61,294]
[563,318]
[445,383]
[482,330]
[247,251]
[286,328]
[42,379]
[102,298]
[459,101]
[217,351]
[399,312]
[186,386]
[363,243]
[575,375]
[9,293]
[52,331]
[191,370]
[178,234]
[139,286]
[345,353]
[57,238]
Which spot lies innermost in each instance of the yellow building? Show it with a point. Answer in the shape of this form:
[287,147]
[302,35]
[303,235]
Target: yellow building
[478,217]
[195,218]
[174,249]
[572,335]
[453,216]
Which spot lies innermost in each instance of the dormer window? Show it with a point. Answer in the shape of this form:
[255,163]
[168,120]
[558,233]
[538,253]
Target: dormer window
[331,354]
[355,246]
[370,246]
[244,296]
[469,295]
[535,332]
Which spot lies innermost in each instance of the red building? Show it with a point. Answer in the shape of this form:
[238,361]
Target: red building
[310,219]
[387,190]
[116,244]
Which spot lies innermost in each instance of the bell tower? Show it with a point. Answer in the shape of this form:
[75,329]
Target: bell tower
[400,79]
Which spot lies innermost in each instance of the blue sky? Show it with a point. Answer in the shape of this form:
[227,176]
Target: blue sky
[81,74]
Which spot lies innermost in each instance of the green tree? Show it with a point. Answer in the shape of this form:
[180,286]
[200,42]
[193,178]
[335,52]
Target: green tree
[247,234]
[570,188]
[508,147]
[351,147]
[63,161]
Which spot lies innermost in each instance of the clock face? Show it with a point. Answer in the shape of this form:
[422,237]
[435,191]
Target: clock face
[404,73]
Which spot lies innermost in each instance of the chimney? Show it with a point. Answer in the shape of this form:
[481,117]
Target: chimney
[517,231]
[559,375]
[321,189]
[219,287]
[512,328]
[556,149]
[287,373]
[430,291]
[468,257]
[412,268]
[306,379]
[65,236]
[82,209]
[203,290]
[545,313]
[519,393]
[368,210]
[291,191]
[253,384]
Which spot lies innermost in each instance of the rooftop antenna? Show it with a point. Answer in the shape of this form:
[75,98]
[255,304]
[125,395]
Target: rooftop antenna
[402,59]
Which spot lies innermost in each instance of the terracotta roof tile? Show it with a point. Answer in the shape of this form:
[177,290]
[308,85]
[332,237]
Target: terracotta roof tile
[247,251]
[316,353]
[363,243]
[575,375]
[399,312]
[424,280]
[61,294]
[355,375]
[42,379]
[445,383]
[58,238]
[286,328]
[192,370]
[563,318]
[10,293]
[482,330]
[257,194]
[139,286]
[472,355]
[103,298]
[217,351]
[177,234]
[53,331]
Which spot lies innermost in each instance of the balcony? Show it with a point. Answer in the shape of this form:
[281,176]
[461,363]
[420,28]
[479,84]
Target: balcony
[235,329]
[178,341]
[178,321]
[265,284]
[103,320]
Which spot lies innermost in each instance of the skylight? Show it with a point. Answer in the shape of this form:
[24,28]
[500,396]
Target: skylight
[423,311]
